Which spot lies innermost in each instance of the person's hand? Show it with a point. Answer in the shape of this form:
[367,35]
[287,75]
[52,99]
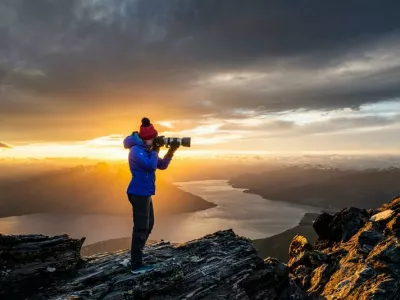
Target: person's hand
[172,148]
[157,143]
[174,145]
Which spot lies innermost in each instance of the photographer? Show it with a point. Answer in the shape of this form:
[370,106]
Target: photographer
[143,162]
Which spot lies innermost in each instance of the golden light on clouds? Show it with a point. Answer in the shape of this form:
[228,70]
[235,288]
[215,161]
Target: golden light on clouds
[252,133]
[106,147]
[110,148]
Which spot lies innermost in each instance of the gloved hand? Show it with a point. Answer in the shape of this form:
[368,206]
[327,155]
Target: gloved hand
[175,145]
[155,148]
[172,148]
[156,144]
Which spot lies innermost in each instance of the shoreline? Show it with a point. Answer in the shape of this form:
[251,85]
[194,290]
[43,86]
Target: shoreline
[331,209]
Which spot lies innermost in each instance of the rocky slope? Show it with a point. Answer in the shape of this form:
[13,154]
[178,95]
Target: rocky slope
[356,256]
[218,266]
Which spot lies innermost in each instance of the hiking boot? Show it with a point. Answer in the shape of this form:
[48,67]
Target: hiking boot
[141,269]
[150,260]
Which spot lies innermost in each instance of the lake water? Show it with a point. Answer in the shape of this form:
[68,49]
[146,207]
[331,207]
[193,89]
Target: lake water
[247,214]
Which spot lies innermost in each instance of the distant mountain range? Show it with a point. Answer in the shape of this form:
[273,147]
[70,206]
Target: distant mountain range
[329,188]
[98,189]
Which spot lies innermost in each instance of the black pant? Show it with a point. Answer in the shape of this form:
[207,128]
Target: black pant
[143,222]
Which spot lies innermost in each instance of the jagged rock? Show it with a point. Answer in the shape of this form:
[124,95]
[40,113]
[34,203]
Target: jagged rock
[372,212]
[387,251]
[298,252]
[347,222]
[302,253]
[299,244]
[303,260]
[274,274]
[321,226]
[393,226]
[30,261]
[272,282]
[359,256]
[393,205]
[319,277]
[302,276]
[217,266]
[294,292]
[369,236]
[383,216]
[340,227]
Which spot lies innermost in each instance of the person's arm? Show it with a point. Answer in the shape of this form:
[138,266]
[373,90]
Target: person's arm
[145,161]
[163,163]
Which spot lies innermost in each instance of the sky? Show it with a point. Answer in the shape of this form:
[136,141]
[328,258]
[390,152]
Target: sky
[76,76]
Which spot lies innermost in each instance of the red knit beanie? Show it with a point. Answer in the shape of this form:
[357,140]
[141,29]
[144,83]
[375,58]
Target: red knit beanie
[147,131]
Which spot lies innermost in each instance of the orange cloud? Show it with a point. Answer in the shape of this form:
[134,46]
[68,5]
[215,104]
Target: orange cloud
[4,145]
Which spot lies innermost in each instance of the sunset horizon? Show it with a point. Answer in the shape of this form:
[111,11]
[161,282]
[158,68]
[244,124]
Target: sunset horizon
[199,149]
[295,132]
[238,77]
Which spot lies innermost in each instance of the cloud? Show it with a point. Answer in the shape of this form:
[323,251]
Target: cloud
[276,127]
[193,59]
[4,145]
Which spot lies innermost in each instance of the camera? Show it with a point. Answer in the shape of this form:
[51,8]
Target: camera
[167,141]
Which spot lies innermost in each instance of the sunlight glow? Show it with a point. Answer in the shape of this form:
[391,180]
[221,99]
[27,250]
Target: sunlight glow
[167,124]
[238,78]
[199,130]
[223,134]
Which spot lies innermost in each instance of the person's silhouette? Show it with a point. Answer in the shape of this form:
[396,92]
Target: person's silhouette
[143,163]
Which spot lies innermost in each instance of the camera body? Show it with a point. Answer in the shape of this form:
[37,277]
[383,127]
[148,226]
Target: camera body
[167,141]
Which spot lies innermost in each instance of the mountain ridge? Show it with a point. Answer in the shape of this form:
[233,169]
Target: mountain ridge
[326,188]
[98,189]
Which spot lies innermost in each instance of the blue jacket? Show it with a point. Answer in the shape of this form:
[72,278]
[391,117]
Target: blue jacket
[143,163]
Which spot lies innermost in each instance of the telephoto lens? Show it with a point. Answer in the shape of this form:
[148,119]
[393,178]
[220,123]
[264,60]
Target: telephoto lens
[184,142]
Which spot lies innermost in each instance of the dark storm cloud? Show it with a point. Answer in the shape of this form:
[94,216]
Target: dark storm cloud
[72,51]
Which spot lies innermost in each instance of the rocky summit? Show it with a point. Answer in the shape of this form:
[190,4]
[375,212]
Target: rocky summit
[218,266]
[357,256]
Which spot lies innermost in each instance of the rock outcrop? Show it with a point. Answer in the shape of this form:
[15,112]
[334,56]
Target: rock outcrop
[28,262]
[357,256]
[218,266]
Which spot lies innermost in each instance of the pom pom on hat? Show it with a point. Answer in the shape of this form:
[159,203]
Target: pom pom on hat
[146,122]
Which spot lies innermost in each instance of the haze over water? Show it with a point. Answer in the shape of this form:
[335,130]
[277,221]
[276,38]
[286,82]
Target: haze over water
[247,214]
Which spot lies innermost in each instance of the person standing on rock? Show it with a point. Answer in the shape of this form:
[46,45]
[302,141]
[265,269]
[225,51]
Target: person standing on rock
[143,163]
